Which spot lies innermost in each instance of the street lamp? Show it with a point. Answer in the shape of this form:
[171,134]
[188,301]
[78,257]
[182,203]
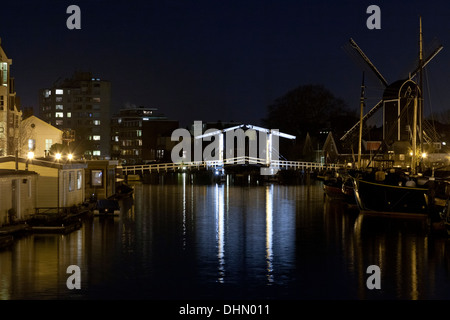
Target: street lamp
[30,156]
[58,157]
[70,156]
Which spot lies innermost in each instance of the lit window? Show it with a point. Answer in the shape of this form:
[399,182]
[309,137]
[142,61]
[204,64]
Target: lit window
[48,144]
[71,181]
[96,99]
[59,99]
[31,144]
[59,91]
[97,122]
[4,73]
[69,114]
[96,138]
[59,114]
[47,93]
[59,107]
[139,133]
[96,152]
[96,178]
[59,122]
[79,180]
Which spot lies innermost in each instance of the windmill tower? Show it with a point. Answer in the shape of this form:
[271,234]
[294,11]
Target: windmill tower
[397,106]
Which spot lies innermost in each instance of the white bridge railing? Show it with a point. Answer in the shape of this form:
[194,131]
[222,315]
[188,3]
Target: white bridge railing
[244,160]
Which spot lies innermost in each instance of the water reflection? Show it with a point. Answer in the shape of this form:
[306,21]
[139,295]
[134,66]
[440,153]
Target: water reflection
[269,232]
[188,241]
[220,234]
[36,267]
[400,248]
[222,211]
[411,259]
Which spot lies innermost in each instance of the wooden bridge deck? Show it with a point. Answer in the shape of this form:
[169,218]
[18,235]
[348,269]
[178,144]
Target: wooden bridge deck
[214,164]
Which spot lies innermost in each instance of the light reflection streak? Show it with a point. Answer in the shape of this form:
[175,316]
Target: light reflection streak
[220,236]
[269,232]
[184,209]
[400,254]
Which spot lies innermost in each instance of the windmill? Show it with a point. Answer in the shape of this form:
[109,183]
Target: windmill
[396,98]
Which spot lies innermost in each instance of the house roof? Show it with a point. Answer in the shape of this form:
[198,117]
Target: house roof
[10,172]
[44,163]
[32,119]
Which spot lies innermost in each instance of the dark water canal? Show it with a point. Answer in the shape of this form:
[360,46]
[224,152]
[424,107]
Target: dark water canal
[186,241]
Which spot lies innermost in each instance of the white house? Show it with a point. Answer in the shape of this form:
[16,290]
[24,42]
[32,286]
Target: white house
[38,136]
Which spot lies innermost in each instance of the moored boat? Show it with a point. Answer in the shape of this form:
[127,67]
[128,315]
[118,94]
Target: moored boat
[340,189]
[107,207]
[385,198]
[122,191]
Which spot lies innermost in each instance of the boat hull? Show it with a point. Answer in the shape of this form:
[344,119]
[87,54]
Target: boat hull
[340,190]
[384,199]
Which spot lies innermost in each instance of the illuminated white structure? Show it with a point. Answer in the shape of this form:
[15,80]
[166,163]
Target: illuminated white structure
[268,143]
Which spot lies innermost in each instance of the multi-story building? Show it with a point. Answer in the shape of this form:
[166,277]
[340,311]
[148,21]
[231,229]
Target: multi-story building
[141,135]
[80,107]
[10,114]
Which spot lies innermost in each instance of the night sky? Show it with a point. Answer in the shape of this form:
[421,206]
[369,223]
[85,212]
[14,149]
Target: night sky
[215,60]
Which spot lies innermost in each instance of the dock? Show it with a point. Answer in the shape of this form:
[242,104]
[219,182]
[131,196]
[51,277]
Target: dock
[63,229]
[14,229]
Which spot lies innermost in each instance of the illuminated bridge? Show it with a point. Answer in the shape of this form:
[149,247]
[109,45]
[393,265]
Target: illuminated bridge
[261,152]
[268,168]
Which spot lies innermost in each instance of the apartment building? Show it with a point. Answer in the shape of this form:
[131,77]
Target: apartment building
[141,135]
[80,107]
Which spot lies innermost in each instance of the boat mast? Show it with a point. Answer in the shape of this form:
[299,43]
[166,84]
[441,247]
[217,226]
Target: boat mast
[420,84]
[418,108]
[361,121]
[414,138]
